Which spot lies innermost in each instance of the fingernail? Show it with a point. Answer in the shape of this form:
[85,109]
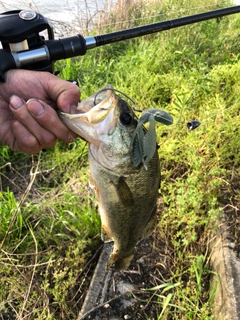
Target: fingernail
[73,109]
[15,102]
[35,107]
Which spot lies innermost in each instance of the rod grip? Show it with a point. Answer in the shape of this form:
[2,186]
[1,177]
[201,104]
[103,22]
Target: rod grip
[7,63]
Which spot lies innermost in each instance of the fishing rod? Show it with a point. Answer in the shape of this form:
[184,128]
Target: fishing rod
[23,47]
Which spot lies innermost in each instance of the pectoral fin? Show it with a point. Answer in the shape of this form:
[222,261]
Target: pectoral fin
[124,193]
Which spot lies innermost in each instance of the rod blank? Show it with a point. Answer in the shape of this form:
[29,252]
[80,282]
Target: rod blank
[161,26]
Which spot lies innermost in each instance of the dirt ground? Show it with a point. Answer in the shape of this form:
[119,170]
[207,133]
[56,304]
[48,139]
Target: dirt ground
[127,295]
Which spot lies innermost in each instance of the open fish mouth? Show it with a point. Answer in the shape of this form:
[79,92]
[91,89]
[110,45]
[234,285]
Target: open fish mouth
[98,118]
[98,112]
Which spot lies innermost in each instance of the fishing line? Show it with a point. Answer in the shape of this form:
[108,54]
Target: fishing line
[191,124]
[113,89]
[166,14]
[158,114]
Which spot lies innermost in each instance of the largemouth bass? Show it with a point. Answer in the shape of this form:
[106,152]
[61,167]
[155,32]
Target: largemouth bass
[126,184]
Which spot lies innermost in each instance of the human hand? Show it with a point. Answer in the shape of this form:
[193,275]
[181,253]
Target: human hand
[28,104]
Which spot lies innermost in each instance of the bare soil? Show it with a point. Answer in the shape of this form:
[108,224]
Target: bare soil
[127,294]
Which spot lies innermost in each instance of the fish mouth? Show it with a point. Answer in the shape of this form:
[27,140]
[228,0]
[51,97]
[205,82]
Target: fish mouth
[98,120]
[104,116]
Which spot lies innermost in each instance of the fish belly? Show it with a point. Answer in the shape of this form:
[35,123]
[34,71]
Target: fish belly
[127,206]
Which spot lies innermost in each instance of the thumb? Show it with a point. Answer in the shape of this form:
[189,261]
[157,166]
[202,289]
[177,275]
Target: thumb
[68,96]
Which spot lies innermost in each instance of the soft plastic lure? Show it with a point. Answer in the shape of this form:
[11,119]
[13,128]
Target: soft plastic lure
[144,141]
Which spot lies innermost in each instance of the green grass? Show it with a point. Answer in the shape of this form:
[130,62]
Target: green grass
[49,225]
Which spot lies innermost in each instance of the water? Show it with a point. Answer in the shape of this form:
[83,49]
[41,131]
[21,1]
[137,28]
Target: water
[70,12]
[55,6]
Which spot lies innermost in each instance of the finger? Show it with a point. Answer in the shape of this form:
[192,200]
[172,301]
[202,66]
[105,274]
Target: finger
[65,93]
[56,92]
[45,138]
[24,140]
[49,120]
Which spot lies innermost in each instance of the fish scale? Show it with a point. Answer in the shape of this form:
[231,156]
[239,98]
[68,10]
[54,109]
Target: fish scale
[126,189]
[126,216]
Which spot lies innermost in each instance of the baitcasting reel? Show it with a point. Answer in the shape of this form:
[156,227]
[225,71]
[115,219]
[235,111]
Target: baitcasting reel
[20,31]
[24,45]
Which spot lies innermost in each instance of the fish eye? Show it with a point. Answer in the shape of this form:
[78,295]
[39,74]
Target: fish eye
[126,118]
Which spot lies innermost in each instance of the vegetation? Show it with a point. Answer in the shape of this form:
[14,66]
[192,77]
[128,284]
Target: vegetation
[49,227]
